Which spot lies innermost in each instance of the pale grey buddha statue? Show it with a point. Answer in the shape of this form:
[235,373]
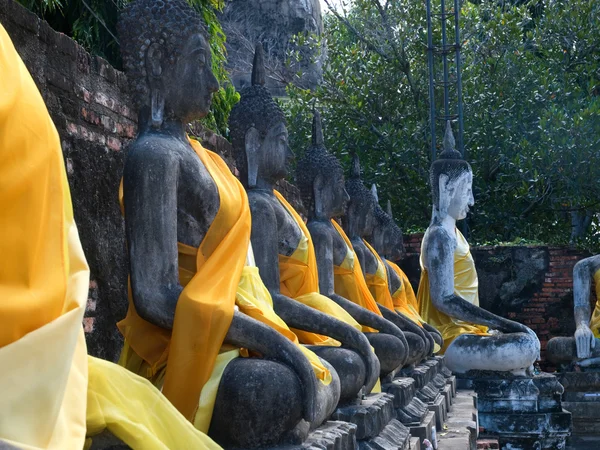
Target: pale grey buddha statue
[359,222]
[320,179]
[183,321]
[387,240]
[448,295]
[583,348]
[283,249]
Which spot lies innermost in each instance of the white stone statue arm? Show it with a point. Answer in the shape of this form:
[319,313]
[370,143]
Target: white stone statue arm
[583,273]
[439,260]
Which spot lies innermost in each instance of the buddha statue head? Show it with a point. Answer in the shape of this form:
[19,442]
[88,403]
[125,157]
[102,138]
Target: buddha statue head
[320,178]
[360,211]
[451,180]
[259,133]
[167,57]
[387,236]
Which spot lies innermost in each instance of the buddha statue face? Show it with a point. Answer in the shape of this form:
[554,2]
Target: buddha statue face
[259,133]
[451,182]
[360,213]
[320,178]
[168,60]
[387,236]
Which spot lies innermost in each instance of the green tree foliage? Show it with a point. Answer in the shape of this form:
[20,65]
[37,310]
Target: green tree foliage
[93,24]
[531,86]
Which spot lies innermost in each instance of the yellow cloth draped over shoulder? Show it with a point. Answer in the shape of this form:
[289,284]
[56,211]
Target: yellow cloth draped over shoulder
[595,320]
[189,361]
[44,281]
[378,281]
[350,282]
[405,300]
[299,279]
[465,285]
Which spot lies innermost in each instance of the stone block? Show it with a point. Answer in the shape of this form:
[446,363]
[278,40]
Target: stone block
[452,382]
[371,416]
[394,436]
[580,381]
[428,393]
[403,390]
[425,429]
[525,424]
[441,414]
[413,413]
[332,435]
[415,443]
[447,394]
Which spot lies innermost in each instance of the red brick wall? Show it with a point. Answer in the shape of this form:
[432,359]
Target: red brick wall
[544,304]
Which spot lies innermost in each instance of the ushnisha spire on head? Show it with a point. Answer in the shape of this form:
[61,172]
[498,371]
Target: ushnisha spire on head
[258,66]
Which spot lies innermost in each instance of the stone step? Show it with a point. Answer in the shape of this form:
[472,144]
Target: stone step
[402,388]
[394,436]
[370,417]
[332,435]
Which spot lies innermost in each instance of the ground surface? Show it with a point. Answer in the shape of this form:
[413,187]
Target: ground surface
[456,434]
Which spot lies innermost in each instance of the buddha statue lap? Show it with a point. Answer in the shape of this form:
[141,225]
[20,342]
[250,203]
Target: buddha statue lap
[583,348]
[195,297]
[320,178]
[387,240]
[358,222]
[448,297]
[282,246]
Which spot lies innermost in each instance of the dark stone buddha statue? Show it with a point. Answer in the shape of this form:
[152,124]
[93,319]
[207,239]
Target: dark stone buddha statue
[388,242]
[259,136]
[359,223]
[171,199]
[320,178]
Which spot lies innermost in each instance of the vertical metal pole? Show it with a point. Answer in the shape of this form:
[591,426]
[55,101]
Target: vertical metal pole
[457,47]
[431,81]
[445,60]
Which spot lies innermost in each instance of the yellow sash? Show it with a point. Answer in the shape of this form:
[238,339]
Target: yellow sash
[378,282]
[404,298]
[43,274]
[465,286]
[350,282]
[215,279]
[595,320]
[299,279]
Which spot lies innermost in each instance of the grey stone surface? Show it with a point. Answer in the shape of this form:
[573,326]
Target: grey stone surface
[428,393]
[402,389]
[424,430]
[274,23]
[332,435]
[394,436]
[371,416]
[461,429]
[413,413]
[439,408]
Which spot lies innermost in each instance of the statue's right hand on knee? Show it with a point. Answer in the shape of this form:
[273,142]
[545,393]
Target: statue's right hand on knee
[585,341]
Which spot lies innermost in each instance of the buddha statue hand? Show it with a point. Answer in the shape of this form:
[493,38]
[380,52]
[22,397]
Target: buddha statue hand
[251,334]
[585,341]
[435,334]
[423,345]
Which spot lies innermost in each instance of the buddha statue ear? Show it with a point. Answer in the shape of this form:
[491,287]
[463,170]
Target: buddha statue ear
[374,193]
[252,147]
[318,186]
[446,191]
[389,209]
[154,70]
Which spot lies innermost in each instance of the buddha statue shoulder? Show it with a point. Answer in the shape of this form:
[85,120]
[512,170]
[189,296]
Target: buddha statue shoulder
[359,222]
[448,290]
[283,246]
[387,240]
[320,178]
[583,348]
[192,285]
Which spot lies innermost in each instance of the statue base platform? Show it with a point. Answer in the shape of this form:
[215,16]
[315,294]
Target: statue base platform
[441,413]
[409,409]
[582,399]
[523,413]
[415,443]
[371,416]
[332,435]
[425,430]
[394,436]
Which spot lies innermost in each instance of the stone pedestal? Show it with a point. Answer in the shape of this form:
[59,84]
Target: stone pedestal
[332,435]
[523,413]
[409,409]
[425,430]
[439,408]
[582,399]
[376,425]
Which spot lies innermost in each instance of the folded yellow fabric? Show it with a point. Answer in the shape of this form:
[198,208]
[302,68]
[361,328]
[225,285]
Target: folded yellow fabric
[465,286]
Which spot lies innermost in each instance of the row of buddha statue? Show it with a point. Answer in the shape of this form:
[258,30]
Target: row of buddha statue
[254,325]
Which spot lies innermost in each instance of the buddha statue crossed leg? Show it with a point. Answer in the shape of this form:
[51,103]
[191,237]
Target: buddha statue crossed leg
[320,178]
[283,247]
[447,296]
[359,222]
[188,231]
